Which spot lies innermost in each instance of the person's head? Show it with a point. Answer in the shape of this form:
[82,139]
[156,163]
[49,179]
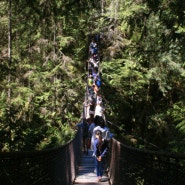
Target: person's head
[95,70]
[96,120]
[101,122]
[92,117]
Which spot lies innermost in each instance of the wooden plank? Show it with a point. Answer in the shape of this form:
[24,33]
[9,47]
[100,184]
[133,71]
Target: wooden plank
[86,174]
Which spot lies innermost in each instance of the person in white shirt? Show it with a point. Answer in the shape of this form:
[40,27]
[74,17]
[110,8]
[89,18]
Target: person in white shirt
[98,99]
[99,110]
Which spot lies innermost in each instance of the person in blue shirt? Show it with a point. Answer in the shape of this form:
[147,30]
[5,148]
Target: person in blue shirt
[100,151]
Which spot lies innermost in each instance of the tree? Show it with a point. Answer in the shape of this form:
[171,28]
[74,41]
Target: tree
[46,85]
[143,66]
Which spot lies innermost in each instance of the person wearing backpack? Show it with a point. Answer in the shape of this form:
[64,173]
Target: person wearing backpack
[100,150]
[97,81]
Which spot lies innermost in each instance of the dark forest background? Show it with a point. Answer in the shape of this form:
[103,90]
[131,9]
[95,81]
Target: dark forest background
[43,52]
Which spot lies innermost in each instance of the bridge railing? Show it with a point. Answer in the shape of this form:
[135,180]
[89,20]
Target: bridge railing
[55,166]
[132,166]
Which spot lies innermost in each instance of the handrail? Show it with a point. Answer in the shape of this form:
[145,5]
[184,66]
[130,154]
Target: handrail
[52,166]
[133,166]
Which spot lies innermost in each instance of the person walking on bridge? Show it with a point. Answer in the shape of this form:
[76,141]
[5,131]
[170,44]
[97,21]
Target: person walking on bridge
[100,150]
[85,134]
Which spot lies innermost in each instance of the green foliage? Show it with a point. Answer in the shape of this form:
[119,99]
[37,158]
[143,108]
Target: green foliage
[56,136]
[142,48]
[177,113]
[41,88]
[143,70]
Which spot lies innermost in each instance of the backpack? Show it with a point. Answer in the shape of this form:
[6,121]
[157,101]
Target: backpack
[106,135]
[98,83]
[99,151]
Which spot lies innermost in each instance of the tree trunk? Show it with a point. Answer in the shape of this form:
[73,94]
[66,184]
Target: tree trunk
[9,49]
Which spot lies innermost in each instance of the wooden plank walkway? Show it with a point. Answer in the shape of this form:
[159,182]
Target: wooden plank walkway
[86,174]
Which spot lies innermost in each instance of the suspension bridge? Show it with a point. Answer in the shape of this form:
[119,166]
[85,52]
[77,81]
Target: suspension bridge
[68,165]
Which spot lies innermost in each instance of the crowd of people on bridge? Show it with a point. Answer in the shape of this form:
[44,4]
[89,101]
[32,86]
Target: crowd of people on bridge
[96,134]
